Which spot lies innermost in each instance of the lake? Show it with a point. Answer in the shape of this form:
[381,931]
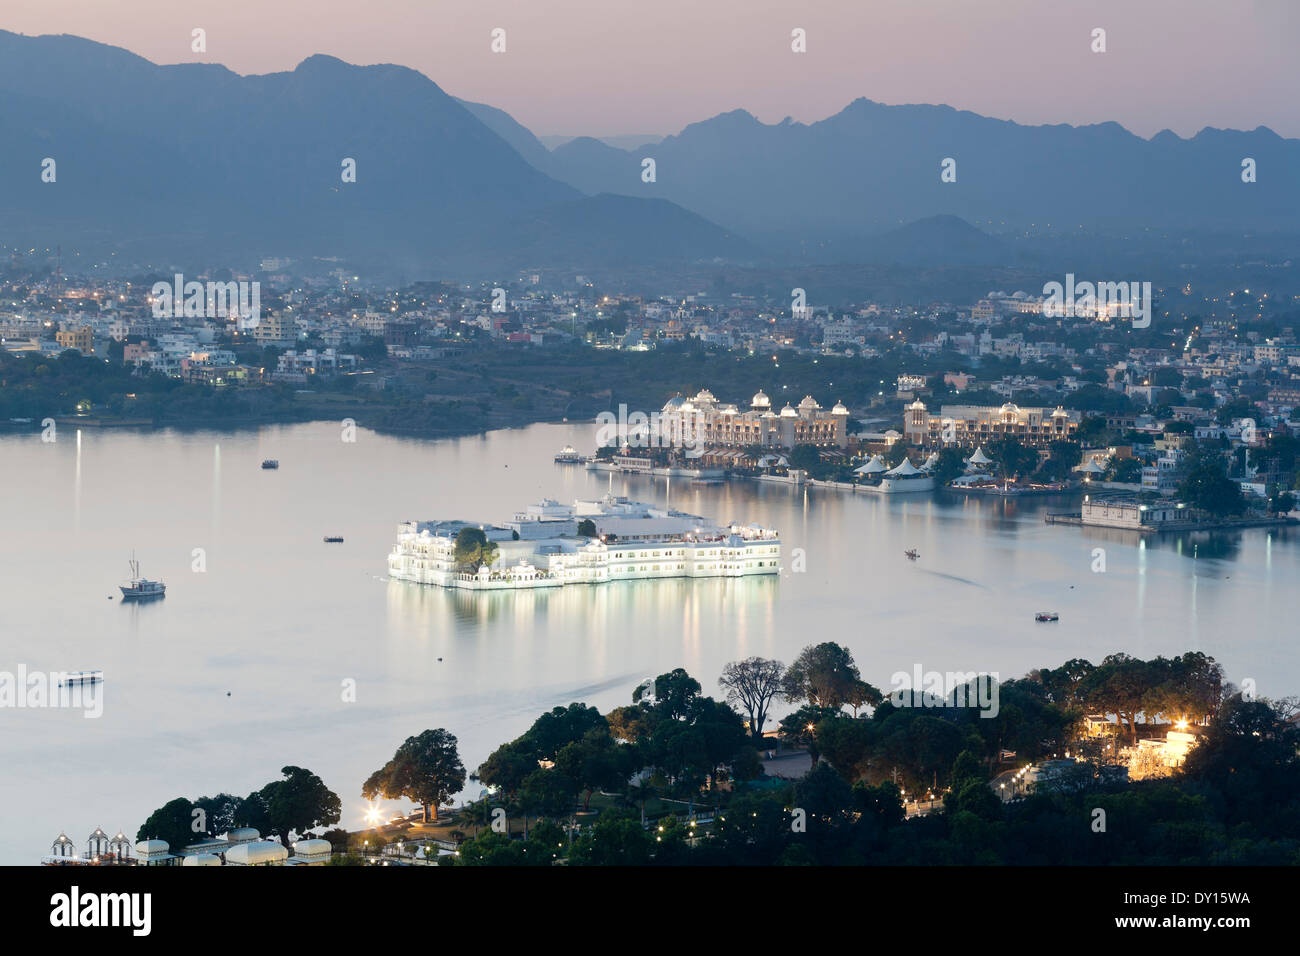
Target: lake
[241,670]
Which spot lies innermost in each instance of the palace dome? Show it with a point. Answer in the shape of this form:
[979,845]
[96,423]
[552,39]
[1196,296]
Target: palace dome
[789,412]
[760,400]
[258,853]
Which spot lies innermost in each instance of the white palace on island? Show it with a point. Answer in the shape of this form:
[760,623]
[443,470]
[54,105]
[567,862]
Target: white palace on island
[590,542]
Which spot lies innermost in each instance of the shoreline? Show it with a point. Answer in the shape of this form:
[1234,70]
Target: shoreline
[1230,524]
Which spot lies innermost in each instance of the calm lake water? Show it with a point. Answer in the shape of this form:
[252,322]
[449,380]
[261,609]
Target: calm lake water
[240,670]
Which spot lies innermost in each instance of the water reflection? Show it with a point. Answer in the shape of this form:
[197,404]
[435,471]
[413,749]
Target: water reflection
[279,618]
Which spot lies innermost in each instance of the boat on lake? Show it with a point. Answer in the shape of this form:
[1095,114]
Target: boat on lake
[141,589]
[81,678]
[270,464]
[333,539]
[1043,617]
[569,456]
[912,555]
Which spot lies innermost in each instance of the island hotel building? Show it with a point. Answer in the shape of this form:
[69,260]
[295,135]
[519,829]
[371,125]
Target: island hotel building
[973,426]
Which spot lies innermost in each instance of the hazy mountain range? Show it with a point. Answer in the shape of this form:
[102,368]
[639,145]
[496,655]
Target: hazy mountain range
[194,162]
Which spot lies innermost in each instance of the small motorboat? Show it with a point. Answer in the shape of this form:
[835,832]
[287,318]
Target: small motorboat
[333,539]
[1043,617]
[81,678]
[270,464]
[912,555]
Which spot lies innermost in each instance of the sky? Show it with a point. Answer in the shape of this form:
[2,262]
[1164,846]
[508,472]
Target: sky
[607,67]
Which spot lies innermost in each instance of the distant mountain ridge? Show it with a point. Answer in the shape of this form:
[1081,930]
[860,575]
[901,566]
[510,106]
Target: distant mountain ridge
[871,167]
[194,162]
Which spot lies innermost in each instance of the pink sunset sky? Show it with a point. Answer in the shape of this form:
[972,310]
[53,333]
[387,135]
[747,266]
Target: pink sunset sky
[605,67]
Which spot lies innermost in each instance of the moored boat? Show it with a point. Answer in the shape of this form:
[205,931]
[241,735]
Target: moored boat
[80,678]
[333,539]
[141,589]
[1046,616]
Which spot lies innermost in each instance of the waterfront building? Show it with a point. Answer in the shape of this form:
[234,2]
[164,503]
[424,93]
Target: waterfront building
[704,420]
[541,547]
[1130,513]
[101,850]
[243,846]
[975,425]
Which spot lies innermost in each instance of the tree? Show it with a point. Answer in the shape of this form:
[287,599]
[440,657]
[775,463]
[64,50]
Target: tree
[804,457]
[721,730]
[173,822]
[1249,755]
[472,549]
[1118,686]
[506,767]
[825,676]
[587,528]
[218,813]
[674,693]
[753,684]
[594,763]
[631,724]
[1012,457]
[426,769]
[559,727]
[950,465]
[547,793]
[613,841]
[1282,503]
[1208,488]
[799,727]
[299,803]
[1124,470]
[861,694]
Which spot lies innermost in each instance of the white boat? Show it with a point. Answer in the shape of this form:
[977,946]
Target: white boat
[80,678]
[569,456]
[141,589]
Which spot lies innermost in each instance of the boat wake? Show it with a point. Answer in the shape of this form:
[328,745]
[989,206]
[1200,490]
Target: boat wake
[953,577]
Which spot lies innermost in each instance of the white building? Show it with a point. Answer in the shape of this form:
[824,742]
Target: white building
[633,541]
[1129,513]
[703,420]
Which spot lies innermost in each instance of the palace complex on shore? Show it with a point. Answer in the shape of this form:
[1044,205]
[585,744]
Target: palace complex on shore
[969,426]
[711,423]
[590,542]
[243,846]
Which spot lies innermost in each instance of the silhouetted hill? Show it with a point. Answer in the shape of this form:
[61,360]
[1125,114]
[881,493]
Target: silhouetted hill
[872,166]
[193,163]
